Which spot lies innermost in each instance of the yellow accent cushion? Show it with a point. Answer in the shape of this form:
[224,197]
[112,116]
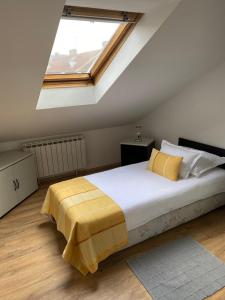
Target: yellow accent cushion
[165,165]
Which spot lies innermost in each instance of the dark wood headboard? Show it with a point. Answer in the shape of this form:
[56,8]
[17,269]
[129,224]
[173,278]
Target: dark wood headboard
[203,147]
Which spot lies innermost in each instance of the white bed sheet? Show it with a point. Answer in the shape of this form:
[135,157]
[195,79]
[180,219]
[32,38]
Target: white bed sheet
[144,195]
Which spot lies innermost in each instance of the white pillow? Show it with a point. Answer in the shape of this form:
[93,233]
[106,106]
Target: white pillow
[207,161]
[190,157]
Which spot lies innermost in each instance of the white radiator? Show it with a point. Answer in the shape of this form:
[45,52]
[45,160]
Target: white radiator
[58,156]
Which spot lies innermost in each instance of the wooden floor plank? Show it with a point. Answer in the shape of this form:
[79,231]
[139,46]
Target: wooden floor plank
[31,266]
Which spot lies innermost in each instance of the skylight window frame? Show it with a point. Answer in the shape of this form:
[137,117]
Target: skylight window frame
[128,21]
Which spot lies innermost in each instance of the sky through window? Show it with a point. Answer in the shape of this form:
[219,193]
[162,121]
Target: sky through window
[78,44]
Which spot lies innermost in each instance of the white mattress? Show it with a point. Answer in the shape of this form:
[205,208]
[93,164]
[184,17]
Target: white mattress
[144,195]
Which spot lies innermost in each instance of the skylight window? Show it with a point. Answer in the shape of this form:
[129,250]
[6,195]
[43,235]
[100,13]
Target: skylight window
[85,43]
[78,45]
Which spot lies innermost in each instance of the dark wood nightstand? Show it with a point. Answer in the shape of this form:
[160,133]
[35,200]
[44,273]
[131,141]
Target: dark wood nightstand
[133,152]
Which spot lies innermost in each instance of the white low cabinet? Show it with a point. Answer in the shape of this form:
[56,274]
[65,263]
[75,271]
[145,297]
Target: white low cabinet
[18,178]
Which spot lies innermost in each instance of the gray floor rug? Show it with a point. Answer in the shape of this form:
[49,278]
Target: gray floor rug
[181,269]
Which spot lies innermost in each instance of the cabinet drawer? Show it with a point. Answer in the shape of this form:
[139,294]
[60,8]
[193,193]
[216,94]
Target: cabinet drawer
[8,196]
[26,177]
[17,180]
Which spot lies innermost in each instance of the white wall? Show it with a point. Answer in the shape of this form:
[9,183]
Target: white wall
[197,113]
[103,145]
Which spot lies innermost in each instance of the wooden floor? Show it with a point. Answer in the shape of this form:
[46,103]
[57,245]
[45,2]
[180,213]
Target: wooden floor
[31,266]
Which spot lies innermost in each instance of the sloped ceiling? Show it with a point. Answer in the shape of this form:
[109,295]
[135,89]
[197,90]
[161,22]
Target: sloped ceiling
[124,5]
[190,42]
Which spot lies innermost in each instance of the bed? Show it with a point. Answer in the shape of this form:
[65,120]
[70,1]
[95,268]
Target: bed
[152,204]
[145,196]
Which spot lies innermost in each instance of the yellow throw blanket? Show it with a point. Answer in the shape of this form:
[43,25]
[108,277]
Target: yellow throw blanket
[92,223]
